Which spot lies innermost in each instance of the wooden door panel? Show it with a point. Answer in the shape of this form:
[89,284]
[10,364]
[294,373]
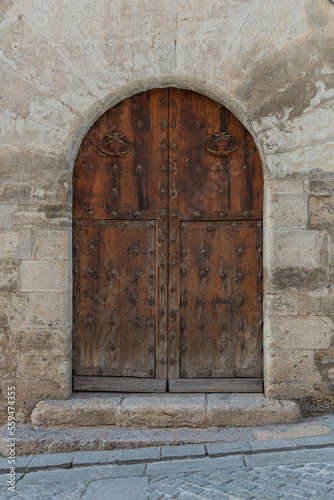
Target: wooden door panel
[221,299]
[204,185]
[127,185]
[114,299]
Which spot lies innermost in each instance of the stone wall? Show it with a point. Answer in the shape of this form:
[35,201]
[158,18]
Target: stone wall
[63,63]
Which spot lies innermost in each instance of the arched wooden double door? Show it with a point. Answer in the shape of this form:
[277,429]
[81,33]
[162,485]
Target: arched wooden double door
[168,249]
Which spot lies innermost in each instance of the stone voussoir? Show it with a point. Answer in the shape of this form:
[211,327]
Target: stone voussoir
[164,411]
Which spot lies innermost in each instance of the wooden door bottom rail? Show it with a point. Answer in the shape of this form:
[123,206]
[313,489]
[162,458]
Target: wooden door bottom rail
[199,385]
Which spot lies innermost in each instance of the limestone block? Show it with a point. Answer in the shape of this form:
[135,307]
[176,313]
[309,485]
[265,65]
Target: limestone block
[28,164]
[287,211]
[321,306]
[303,160]
[47,310]
[295,134]
[321,187]
[249,410]
[7,217]
[291,365]
[19,131]
[295,390]
[15,306]
[43,275]
[16,244]
[39,364]
[47,193]
[166,410]
[294,186]
[300,249]
[15,192]
[25,215]
[298,279]
[41,69]
[76,412]
[41,340]
[9,276]
[322,212]
[280,304]
[299,332]
[50,244]
[29,393]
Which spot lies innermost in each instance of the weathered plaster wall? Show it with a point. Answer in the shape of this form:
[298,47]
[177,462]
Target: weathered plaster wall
[63,63]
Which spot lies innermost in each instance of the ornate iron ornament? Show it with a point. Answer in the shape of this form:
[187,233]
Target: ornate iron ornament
[114,144]
[211,147]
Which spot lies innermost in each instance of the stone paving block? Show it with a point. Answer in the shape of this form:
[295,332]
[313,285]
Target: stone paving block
[84,473]
[51,461]
[94,457]
[21,463]
[223,449]
[273,445]
[315,441]
[290,457]
[189,451]
[131,488]
[138,455]
[4,478]
[197,464]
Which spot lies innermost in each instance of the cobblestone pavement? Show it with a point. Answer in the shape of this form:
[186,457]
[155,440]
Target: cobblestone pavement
[293,482]
[313,481]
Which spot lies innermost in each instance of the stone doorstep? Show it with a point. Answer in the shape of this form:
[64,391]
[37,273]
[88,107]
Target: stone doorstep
[164,410]
[33,463]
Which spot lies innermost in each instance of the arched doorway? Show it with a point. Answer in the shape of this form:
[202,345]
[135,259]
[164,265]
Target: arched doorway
[167,249]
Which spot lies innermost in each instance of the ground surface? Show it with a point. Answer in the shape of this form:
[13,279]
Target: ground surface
[283,462]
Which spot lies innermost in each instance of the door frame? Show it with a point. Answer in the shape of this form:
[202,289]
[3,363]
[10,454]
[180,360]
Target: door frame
[230,106]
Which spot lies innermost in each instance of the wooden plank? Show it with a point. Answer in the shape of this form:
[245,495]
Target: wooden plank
[119,384]
[221,331]
[207,385]
[114,300]
[212,187]
[123,187]
[174,318]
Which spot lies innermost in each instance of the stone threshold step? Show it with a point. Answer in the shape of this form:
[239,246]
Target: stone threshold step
[33,463]
[163,411]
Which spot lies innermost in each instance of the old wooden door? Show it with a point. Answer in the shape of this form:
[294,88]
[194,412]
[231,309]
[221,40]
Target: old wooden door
[167,249]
